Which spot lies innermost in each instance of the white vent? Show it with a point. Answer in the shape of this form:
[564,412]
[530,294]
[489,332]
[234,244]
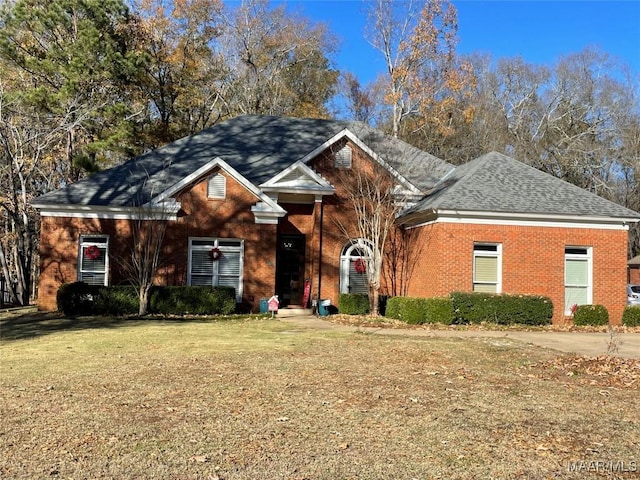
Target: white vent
[343,157]
[217,186]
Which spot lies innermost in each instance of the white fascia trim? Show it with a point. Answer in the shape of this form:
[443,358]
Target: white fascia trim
[188,180]
[525,220]
[268,206]
[166,211]
[351,136]
[322,188]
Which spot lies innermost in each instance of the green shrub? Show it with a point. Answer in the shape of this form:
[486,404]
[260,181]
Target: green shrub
[501,309]
[393,307]
[120,300]
[439,310]
[74,298]
[407,309]
[79,298]
[192,300]
[354,303]
[631,316]
[591,315]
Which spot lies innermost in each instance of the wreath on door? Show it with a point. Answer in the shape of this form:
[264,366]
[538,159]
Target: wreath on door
[215,254]
[360,266]
[91,252]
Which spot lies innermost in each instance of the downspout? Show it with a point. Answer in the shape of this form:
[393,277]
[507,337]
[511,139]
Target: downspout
[320,253]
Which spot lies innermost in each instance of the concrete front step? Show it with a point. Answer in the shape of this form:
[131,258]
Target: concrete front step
[294,311]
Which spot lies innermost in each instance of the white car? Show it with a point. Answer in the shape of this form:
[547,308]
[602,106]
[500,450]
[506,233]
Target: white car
[633,294]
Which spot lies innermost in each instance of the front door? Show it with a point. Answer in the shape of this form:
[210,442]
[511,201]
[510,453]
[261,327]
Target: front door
[290,269]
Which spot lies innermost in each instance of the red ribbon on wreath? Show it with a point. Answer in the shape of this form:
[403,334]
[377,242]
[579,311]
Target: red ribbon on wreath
[91,252]
[360,266]
[215,254]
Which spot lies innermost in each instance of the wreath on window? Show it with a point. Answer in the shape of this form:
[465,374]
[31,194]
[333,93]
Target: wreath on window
[215,254]
[360,266]
[91,252]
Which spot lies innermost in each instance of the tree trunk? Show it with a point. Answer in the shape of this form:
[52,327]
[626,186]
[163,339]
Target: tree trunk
[143,308]
[374,296]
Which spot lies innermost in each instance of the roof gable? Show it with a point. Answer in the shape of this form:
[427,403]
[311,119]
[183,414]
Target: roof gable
[298,178]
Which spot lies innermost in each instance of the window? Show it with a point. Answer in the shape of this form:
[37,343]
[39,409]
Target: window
[225,270]
[353,267]
[217,186]
[577,277]
[487,268]
[343,157]
[93,261]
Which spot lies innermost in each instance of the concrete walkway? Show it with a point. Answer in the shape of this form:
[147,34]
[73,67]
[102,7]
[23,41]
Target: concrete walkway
[589,344]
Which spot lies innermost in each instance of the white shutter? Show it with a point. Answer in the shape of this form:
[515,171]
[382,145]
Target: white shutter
[358,282]
[229,269]
[201,267]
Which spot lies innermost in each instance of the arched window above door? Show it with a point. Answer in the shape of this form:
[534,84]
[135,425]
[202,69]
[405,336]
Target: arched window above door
[353,266]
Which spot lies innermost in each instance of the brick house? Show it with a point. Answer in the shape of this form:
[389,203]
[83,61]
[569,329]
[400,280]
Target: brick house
[633,270]
[264,193]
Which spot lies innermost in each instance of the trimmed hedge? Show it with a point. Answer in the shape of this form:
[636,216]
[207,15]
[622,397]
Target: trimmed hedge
[407,309]
[631,316]
[358,303]
[420,310]
[78,298]
[354,303]
[439,310]
[189,300]
[591,315]
[502,309]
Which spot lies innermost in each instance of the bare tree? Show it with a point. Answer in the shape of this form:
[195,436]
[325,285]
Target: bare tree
[417,41]
[28,142]
[375,197]
[143,254]
[400,260]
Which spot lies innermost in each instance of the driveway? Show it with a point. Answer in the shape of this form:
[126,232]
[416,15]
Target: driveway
[589,344]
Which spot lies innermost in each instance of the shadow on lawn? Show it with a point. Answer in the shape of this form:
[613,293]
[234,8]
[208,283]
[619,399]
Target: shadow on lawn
[37,324]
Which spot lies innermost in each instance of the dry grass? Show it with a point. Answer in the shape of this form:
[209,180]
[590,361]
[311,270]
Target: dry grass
[257,399]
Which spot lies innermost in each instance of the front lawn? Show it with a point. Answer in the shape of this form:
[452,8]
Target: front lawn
[260,399]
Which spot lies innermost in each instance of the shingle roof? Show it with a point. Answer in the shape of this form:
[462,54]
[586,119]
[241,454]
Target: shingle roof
[497,183]
[258,147]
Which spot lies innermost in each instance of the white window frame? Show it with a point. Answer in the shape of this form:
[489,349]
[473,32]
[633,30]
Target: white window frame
[347,258]
[481,249]
[587,256]
[343,158]
[215,183]
[89,240]
[208,243]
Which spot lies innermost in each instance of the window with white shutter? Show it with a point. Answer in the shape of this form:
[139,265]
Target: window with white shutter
[216,262]
[93,259]
[487,268]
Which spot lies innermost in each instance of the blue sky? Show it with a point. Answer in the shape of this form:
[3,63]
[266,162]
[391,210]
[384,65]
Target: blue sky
[539,31]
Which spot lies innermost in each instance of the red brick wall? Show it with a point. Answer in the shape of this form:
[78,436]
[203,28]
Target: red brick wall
[532,262]
[201,217]
[338,219]
[634,275]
